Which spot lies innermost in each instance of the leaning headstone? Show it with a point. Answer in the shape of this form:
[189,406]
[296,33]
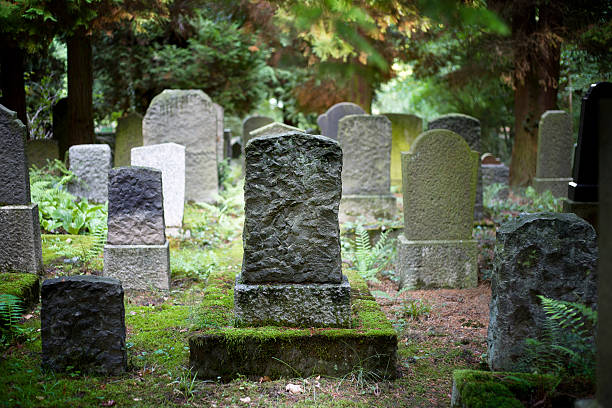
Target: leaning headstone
[328,122]
[291,271]
[366,187]
[41,152]
[136,252]
[436,249]
[60,126]
[188,118]
[219,112]
[404,130]
[128,136]
[468,128]
[253,123]
[170,159]
[20,243]
[274,128]
[90,163]
[83,325]
[549,254]
[555,141]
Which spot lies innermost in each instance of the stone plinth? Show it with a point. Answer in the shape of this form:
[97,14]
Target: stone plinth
[90,163]
[128,136]
[20,244]
[139,267]
[405,128]
[555,146]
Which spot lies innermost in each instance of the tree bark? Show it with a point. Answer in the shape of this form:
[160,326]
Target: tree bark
[361,92]
[11,81]
[80,94]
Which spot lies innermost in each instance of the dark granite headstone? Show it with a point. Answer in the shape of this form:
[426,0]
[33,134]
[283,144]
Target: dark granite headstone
[329,120]
[15,179]
[236,147]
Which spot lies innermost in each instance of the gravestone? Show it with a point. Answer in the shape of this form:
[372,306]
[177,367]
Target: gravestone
[436,249]
[136,252]
[489,158]
[227,143]
[20,243]
[549,254]
[90,163]
[328,122]
[468,128]
[219,112]
[404,130]
[129,135]
[169,158]
[253,123]
[494,174]
[236,147]
[40,152]
[555,142]
[83,325]
[60,126]
[366,147]
[274,128]
[188,118]
[291,270]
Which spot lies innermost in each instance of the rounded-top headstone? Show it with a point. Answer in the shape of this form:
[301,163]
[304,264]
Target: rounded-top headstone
[128,136]
[334,114]
[15,183]
[253,123]
[489,158]
[465,126]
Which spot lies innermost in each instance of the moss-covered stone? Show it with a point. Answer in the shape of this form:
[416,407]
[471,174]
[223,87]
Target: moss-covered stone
[25,286]
[404,129]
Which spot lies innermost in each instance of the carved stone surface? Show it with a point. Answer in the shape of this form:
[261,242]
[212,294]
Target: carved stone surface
[20,243]
[90,163]
[15,180]
[328,122]
[128,136]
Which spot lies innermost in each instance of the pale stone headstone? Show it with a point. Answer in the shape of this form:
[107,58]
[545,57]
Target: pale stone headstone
[291,270]
[328,122]
[128,136]
[136,252]
[404,130]
[439,184]
[549,254]
[170,159]
[219,112]
[188,118]
[274,128]
[90,163]
[40,152]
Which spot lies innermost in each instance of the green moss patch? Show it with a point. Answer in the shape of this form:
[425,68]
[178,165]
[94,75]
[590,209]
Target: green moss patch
[25,286]
[65,246]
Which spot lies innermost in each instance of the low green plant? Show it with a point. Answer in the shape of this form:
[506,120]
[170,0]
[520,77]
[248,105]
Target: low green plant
[11,309]
[518,201]
[185,384]
[414,309]
[370,260]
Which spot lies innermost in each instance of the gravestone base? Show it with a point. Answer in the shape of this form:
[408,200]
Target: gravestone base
[588,211]
[174,232]
[437,264]
[295,305]
[139,267]
[557,186]
[369,207]
[20,244]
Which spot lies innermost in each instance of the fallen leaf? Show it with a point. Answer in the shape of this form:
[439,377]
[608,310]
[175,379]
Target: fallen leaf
[265,378]
[294,388]
[28,316]
[246,400]
[108,403]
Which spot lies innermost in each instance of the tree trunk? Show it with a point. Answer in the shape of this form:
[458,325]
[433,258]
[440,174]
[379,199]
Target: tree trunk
[80,83]
[11,81]
[361,92]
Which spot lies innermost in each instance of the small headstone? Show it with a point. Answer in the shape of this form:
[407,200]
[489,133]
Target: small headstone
[489,158]
[128,136]
[60,126]
[90,163]
[274,128]
[495,174]
[170,159]
[404,130]
[219,111]
[83,325]
[253,123]
[15,184]
[41,152]
[328,122]
[436,249]
[549,254]
[236,147]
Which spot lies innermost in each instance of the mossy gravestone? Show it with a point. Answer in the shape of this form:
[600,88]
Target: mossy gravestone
[405,128]
[291,273]
[328,122]
[436,249]
[128,136]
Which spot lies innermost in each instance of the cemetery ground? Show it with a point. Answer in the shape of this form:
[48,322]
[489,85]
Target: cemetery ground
[439,331]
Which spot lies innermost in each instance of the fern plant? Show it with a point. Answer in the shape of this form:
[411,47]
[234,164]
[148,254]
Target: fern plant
[11,309]
[370,260]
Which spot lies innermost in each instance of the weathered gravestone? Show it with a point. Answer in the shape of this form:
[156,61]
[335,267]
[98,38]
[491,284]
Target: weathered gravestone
[20,244]
[253,123]
[291,270]
[188,118]
[219,111]
[128,136]
[236,147]
[136,252]
[40,152]
[274,128]
[436,249]
[366,147]
[227,143]
[170,159]
[328,122]
[405,128]
[468,128]
[60,126]
[83,325]
[494,171]
[90,163]
[549,254]
[555,142]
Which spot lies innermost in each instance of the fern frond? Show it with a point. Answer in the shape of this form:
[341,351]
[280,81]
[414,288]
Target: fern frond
[11,309]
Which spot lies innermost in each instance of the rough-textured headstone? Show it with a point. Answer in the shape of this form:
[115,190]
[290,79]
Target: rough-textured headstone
[170,159]
[219,112]
[128,136]
[60,126]
[139,267]
[187,117]
[405,128]
[468,128]
[15,180]
[489,158]
[253,123]
[439,177]
[90,163]
[549,254]
[328,122]
[40,152]
[555,142]
[495,174]
[83,325]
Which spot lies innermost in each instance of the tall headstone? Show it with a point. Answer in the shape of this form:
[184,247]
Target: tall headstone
[436,249]
[219,112]
[227,143]
[188,118]
[328,122]
[128,136]
[291,270]
[366,187]
[404,130]
[136,252]
[549,254]
[40,152]
[468,128]
[60,126]
[90,163]
[170,159]
[20,243]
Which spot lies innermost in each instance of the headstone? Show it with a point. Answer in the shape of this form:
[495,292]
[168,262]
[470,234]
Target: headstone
[404,130]
[274,128]
[60,126]
[549,254]
[291,270]
[170,159]
[253,123]
[328,122]
[219,111]
[136,252]
[489,158]
[555,140]
[83,325]
[129,135]
[236,147]
[188,118]
[494,174]
[90,163]
[436,249]
[227,143]
[41,152]
[468,128]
